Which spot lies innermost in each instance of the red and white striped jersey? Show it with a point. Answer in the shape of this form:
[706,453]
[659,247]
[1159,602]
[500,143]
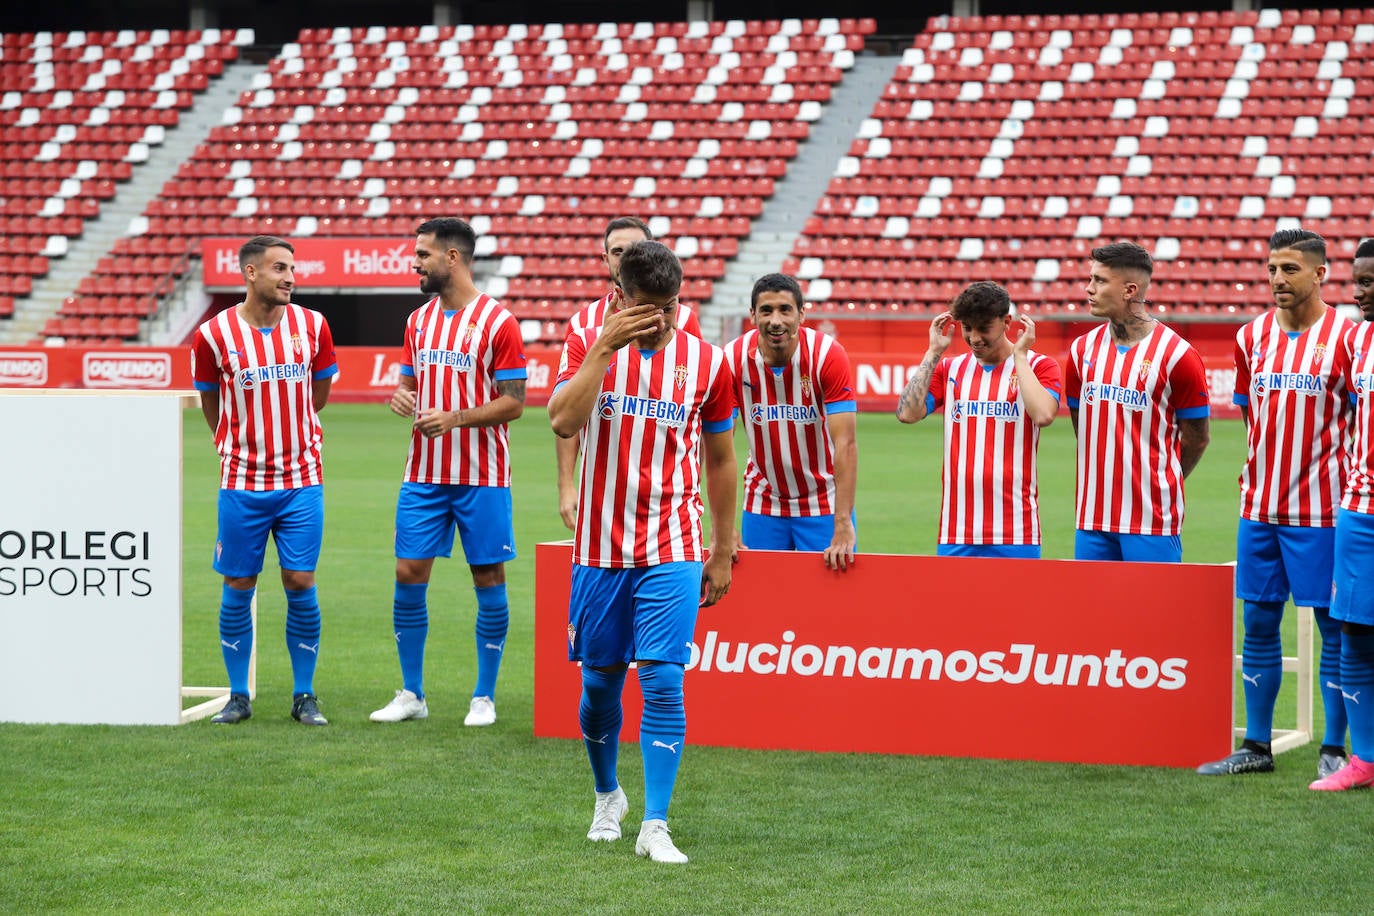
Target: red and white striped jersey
[593,315]
[990,491]
[1129,401]
[791,466]
[269,434]
[639,500]
[457,358]
[1359,485]
[1294,387]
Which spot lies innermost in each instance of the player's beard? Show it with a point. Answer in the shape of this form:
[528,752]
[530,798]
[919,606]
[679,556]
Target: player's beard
[432,285]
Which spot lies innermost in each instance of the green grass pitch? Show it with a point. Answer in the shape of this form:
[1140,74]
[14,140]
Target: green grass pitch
[431,817]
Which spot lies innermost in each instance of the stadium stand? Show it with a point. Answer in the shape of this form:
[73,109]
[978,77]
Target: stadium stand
[538,134]
[1006,146]
[80,111]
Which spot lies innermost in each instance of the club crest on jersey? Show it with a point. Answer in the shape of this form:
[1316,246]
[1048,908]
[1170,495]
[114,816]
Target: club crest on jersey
[572,635]
[1318,356]
[1145,365]
[297,344]
[470,330]
[680,375]
[1013,381]
[806,388]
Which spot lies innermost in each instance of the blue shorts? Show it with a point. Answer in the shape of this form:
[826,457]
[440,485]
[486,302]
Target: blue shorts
[649,613]
[781,532]
[1273,561]
[1134,548]
[294,518]
[1352,592]
[427,513]
[1000,551]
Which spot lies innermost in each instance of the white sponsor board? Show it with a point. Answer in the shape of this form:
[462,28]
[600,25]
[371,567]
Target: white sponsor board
[90,557]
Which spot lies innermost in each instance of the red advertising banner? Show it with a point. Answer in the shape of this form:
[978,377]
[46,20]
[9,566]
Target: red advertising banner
[1052,660]
[371,373]
[365,373]
[323,263]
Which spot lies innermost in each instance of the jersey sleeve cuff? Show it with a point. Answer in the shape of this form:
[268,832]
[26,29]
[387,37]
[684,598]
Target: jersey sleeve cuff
[1073,403]
[1240,400]
[930,403]
[408,370]
[206,386]
[328,372]
[719,426]
[841,407]
[1195,413]
[1053,393]
[506,375]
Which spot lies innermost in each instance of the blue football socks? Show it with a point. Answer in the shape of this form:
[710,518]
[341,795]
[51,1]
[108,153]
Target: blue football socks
[600,714]
[236,635]
[1357,686]
[303,637]
[493,619]
[1329,671]
[410,621]
[661,734]
[1261,667]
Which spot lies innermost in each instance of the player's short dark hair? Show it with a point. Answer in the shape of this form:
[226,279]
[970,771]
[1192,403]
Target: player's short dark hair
[451,232]
[1124,256]
[776,283]
[254,248]
[1365,249]
[625,222]
[1303,240]
[980,303]
[650,268]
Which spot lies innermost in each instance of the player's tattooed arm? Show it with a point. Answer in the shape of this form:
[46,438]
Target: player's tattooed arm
[503,409]
[911,406]
[1194,436]
[512,388]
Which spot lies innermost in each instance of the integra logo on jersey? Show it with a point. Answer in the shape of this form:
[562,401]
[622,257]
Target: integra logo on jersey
[666,412]
[249,378]
[1301,382]
[1009,411]
[1129,398]
[784,413]
[454,359]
